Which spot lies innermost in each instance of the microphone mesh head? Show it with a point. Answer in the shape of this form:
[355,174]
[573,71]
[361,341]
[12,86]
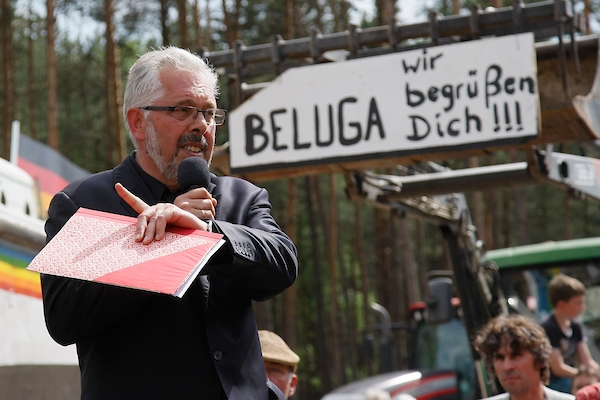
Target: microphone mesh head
[193,172]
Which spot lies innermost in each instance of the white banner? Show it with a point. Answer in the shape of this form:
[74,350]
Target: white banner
[466,95]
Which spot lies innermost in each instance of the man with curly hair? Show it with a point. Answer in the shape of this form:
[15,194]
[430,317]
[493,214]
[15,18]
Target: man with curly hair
[516,350]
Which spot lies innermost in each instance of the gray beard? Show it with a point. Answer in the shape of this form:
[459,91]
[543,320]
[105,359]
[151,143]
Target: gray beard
[167,168]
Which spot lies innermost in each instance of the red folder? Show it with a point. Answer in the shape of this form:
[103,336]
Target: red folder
[100,247]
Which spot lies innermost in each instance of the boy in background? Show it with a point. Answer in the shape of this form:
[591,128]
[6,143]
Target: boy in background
[569,344]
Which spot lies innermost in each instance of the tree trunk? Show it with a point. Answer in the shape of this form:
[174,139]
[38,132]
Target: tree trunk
[85,106]
[183,30]
[587,12]
[289,295]
[348,325]
[337,370]
[520,207]
[384,278]
[365,287]
[231,21]
[496,212]
[520,204]
[456,7]
[66,98]
[382,255]
[164,16]
[476,205]
[323,356]
[587,231]
[333,5]
[7,99]
[196,22]
[408,278]
[505,215]
[490,206]
[567,213]
[326,225]
[385,11]
[406,248]
[227,23]
[31,117]
[116,144]
[421,258]
[319,13]
[290,11]
[299,28]
[207,30]
[52,95]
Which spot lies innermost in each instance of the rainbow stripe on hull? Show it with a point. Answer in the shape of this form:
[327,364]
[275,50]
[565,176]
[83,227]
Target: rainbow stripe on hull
[13,275]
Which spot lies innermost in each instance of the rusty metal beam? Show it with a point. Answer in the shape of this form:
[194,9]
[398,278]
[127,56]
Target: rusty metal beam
[544,18]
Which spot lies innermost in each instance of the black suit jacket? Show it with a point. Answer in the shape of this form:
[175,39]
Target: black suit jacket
[139,345]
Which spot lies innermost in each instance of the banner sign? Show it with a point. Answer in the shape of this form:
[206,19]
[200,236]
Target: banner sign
[473,94]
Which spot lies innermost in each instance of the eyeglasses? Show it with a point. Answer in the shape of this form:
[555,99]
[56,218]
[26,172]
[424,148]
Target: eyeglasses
[183,113]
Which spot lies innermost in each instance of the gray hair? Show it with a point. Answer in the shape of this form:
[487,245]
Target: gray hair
[144,86]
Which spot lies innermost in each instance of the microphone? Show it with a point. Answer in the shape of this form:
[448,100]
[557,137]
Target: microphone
[193,173]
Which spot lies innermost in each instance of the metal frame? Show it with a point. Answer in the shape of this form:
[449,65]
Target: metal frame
[553,18]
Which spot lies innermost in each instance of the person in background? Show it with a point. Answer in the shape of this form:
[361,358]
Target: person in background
[134,344]
[589,392]
[569,344]
[376,394]
[585,377]
[516,350]
[280,361]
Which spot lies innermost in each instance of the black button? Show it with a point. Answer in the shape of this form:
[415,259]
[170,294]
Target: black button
[217,355]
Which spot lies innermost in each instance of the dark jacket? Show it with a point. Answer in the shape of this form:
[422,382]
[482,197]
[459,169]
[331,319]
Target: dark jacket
[140,345]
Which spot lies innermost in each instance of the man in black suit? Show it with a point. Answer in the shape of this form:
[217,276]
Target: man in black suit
[140,345]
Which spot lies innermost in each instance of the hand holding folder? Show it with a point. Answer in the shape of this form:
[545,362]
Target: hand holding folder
[101,247]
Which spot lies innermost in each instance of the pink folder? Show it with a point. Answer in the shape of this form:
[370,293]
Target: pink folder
[100,247]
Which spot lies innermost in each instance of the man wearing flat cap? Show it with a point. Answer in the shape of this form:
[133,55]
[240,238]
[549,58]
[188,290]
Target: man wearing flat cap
[280,362]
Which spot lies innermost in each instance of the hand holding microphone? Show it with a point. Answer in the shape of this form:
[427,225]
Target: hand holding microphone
[189,209]
[193,177]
